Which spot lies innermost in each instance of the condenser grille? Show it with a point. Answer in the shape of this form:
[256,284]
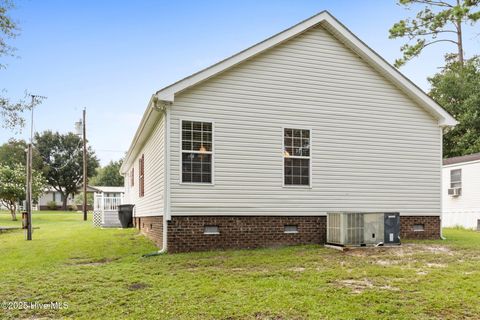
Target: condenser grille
[354,228]
[334,228]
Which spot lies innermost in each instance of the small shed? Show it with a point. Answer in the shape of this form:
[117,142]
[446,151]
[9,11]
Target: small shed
[105,206]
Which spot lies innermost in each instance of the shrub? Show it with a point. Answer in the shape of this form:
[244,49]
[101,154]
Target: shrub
[52,205]
[72,207]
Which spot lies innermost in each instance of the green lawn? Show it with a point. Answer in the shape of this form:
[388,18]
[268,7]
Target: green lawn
[100,274]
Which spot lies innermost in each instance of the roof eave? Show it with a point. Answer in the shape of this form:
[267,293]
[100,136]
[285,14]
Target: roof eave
[137,139]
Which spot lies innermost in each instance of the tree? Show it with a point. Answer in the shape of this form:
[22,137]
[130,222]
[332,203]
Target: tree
[14,151]
[457,89]
[109,175]
[10,112]
[440,21]
[62,161]
[12,186]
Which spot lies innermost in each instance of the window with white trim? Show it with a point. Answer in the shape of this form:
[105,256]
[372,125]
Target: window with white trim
[296,157]
[456,178]
[197,149]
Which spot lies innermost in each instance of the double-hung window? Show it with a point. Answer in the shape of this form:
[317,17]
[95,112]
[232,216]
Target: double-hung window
[456,178]
[296,157]
[197,151]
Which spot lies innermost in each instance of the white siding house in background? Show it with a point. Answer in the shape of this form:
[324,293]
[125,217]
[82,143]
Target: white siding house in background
[461,192]
[255,150]
[51,196]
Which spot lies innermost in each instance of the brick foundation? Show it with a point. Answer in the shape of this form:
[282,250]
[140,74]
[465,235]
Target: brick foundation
[431,226]
[152,227]
[186,233]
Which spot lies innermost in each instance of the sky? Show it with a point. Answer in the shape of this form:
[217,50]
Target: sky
[111,56]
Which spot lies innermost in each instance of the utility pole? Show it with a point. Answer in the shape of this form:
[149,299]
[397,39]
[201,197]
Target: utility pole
[84,166]
[28,201]
[29,192]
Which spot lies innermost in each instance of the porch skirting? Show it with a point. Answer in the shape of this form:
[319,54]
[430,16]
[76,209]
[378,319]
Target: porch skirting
[187,233]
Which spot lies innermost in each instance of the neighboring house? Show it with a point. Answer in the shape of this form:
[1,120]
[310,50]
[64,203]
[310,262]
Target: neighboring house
[50,196]
[461,192]
[258,148]
[108,192]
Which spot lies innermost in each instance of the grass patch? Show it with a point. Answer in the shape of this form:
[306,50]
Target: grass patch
[101,275]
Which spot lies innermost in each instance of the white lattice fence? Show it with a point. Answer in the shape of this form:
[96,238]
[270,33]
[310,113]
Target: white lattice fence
[97,218]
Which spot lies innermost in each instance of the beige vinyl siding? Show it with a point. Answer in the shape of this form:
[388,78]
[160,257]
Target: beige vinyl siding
[152,203]
[373,148]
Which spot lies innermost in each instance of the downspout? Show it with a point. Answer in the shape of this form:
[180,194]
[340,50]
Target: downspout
[441,182]
[162,106]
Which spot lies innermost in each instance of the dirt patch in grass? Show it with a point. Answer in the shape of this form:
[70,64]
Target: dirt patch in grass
[386,262]
[297,269]
[436,265]
[89,262]
[359,285]
[400,251]
[271,316]
[137,286]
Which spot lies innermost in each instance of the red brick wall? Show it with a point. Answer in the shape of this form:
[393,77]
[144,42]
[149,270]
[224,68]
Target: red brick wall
[431,227]
[152,227]
[187,233]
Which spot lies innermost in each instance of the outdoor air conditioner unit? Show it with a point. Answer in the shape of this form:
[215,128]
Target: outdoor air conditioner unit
[455,192]
[363,228]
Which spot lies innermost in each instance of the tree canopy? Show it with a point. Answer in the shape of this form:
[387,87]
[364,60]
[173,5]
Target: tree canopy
[440,21]
[14,152]
[457,89]
[62,161]
[108,175]
[12,186]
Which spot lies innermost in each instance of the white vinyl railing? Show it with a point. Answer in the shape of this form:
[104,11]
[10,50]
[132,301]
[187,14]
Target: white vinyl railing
[102,203]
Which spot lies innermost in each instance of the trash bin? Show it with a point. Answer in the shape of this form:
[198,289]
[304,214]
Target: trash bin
[125,212]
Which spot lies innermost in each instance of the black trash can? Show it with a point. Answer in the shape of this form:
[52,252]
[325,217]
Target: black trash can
[125,215]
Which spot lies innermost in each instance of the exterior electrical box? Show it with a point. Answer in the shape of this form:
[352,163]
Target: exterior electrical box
[363,228]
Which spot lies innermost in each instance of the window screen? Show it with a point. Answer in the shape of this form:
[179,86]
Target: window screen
[456,178]
[197,148]
[296,157]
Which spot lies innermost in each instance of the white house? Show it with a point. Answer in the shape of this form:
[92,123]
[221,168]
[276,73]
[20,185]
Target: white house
[258,148]
[51,197]
[461,192]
